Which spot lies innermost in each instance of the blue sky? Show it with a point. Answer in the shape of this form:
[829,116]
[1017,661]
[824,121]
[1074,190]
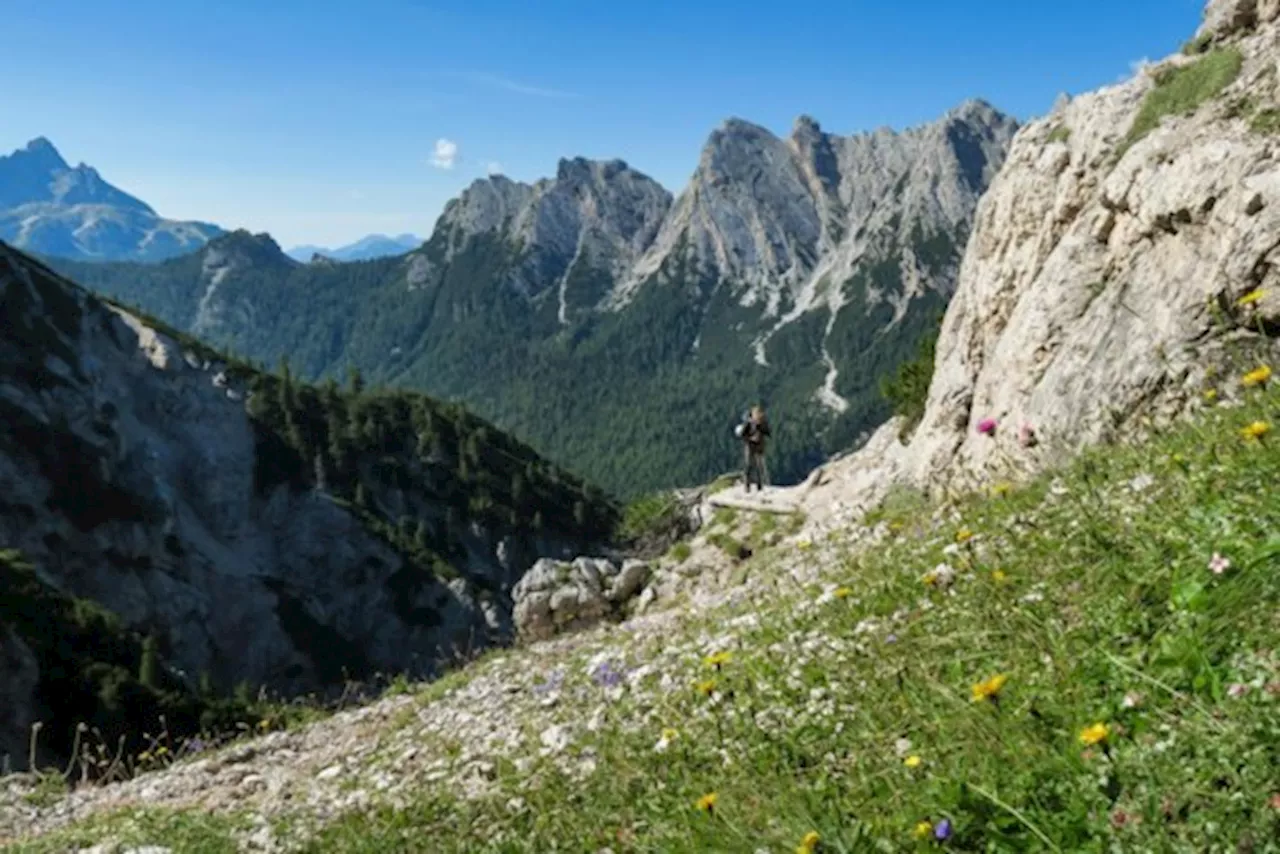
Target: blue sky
[319,122]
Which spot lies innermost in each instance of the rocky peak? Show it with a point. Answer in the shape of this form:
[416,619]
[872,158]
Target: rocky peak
[1224,18]
[41,154]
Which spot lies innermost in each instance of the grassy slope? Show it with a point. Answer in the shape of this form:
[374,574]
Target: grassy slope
[1090,590]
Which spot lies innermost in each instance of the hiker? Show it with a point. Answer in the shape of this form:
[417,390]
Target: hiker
[752,431]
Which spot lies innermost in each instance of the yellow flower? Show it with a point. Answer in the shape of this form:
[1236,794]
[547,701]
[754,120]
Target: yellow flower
[1095,734]
[1256,430]
[913,761]
[809,843]
[895,526]
[998,576]
[964,535]
[161,750]
[1002,489]
[922,830]
[669,734]
[264,723]
[804,545]
[1252,297]
[842,592]
[1258,376]
[1211,394]
[708,687]
[718,659]
[989,688]
[707,803]
[144,756]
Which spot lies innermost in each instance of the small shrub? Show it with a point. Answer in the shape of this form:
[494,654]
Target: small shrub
[908,388]
[1180,91]
[1197,45]
[1061,133]
[680,552]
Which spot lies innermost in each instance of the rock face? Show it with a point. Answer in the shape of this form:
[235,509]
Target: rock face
[1104,279]
[557,596]
[49,207]
[133,476]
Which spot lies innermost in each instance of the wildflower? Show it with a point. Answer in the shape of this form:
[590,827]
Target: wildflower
[989,689]
[940,576]
[964,535]
[922,830]
[1027,436]
[718,659]
[913,761]
[987,426]
[1252,297]
[668,735]
[708,687]
[1095,734]
[804,545]
[902,746]
[264,723]
[1236,690]
[842,592]
[1256,430]
[808,843]
[1258,376]
[606,675]
[1131,700]
[998,576]
[1142,482]
[707,803]
[1211,394]
[1219,564]
[942,830]
[1001,489]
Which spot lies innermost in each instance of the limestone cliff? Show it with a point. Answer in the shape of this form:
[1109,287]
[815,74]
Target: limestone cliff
[1123,262]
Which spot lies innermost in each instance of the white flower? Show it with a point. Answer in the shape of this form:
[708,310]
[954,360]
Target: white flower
[902,746]
[662,745]
[1142,482]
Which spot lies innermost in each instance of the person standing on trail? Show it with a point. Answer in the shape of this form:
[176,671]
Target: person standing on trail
[753,431]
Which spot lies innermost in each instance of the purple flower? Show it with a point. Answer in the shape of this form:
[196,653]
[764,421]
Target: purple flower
[553,683]
[942,830]
[606,675]
[193,745]
[891,638]
[987,426]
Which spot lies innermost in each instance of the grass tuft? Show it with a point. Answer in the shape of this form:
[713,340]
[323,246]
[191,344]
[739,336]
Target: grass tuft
[1181,90]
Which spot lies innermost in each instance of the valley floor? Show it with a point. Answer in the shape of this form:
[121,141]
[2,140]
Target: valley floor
[1088,662]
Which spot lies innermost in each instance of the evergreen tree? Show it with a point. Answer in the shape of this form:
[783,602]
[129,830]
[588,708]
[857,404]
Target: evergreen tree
[355,381]
[147,667]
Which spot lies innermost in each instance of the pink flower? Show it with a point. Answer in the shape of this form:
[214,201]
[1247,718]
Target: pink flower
[1027,436]
[987,426]
[1219,564]
[1236,690]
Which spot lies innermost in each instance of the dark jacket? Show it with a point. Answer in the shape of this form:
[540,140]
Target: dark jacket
[754,434]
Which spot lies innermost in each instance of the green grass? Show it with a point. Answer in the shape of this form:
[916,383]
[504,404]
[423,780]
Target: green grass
[1090,589]
[1180,91]
[178,831]
[1265,121]
[680,552]
[1061,133]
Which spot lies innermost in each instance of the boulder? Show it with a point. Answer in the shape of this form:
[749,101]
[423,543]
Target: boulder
[555,597]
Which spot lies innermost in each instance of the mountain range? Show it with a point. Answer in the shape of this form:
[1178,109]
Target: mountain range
[52,208]
[621,329]
[364,249]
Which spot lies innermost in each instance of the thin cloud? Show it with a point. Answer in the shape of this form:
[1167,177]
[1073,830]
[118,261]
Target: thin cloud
[497,81]
[446,154]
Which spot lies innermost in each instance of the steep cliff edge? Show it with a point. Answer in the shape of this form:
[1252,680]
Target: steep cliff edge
[1122,263]
[258,529]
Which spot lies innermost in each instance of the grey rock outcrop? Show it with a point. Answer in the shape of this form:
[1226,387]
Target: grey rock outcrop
[50,207]
[557,596]
[1104,279]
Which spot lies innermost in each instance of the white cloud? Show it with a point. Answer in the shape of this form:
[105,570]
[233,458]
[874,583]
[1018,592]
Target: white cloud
[446,154]
[494,168]
[497,81]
